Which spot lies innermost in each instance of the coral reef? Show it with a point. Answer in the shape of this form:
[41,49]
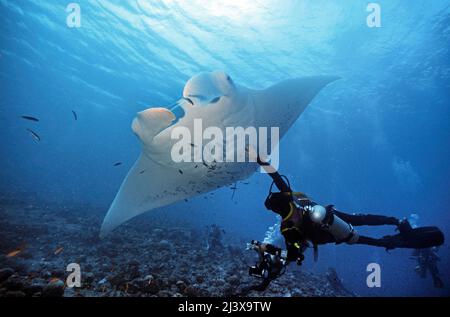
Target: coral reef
[38,241]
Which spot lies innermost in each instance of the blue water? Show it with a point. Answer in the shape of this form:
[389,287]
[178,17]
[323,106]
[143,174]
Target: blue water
[375,141]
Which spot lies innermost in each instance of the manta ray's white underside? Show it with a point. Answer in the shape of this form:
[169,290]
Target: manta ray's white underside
[156,180]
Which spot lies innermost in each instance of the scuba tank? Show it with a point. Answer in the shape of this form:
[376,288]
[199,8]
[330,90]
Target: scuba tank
[339,229]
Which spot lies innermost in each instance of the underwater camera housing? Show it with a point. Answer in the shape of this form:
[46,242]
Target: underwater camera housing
[260,270]
[271,264]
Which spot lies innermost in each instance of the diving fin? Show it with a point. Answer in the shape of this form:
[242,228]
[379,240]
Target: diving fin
[417,238]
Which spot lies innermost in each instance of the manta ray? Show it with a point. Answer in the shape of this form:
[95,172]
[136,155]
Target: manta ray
[156,180]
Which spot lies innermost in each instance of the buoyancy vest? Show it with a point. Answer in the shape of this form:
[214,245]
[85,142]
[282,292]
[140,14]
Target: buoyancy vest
[298,228]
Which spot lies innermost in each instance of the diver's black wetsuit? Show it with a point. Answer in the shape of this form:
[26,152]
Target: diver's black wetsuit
[304,221]
[321,236]
[369,220]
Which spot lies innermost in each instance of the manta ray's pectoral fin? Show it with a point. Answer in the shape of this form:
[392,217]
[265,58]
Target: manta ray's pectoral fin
[150,122]
[148,185]
[290,98]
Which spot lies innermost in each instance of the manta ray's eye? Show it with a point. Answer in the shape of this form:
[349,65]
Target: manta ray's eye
[198,97]
[230,80]
[189,100]
[215,100]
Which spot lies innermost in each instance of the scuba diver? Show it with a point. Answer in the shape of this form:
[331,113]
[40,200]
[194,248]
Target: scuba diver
[214,239]
[427,261]
[305,222]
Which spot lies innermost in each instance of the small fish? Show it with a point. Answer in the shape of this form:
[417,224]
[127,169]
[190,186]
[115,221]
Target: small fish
[13,253]
[142,172]
[193,145]
[53,280]
[30,118]
[209,167]
[117,164]
[34,135]
[186,200]
[234,190]
[181,172]
[75,116]
[195,166]
[59,250]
